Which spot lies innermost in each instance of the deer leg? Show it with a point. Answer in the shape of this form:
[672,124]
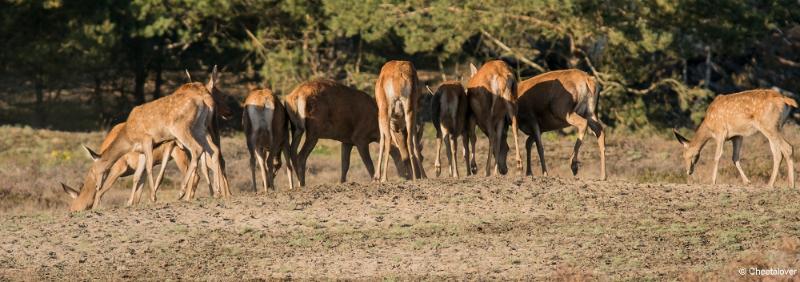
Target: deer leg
[188,141]
[346,149]
[788,151]
[437,163]
[216,166]
[465,151]
[137,181]
[580,123]
[363,151]
[409,143]
[514,131]
[717,157]
[305,152]
[147,147]
[116,172]
[597,129]
[289,165]
[252,152]
[737,149]
[270,161]
[259,153]
[776,161]
[528,148]
[492,147]
[452,155]
[169,146]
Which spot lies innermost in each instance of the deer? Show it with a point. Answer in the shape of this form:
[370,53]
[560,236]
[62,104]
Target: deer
[397,97]
[131,163]
[325,109]
[449,107]
[735,116]
[266,128]
[556,100]
[184,117]
[492,96]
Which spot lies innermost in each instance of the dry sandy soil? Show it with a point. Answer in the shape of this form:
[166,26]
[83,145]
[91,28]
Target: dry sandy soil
[645,223]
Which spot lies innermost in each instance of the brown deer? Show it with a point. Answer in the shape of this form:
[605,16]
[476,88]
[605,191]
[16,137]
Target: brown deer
[266,128]
[131,163]
[185,117]
[397,97]
[735,116]
[492,99]
[555,100]
[449,107]
[325,109]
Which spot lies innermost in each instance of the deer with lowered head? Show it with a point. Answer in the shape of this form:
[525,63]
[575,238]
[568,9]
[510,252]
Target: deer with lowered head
[555,100]
[184,117]
[325,109]
[492,95]
[266,128]
[397,95]
[735,116]
[449,107]
[132,163]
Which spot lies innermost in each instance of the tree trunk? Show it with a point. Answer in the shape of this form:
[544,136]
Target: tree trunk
[41,115]
[138,87]
[159,81]
[97,100]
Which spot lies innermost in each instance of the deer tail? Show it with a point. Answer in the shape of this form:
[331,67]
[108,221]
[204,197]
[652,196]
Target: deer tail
[789,101]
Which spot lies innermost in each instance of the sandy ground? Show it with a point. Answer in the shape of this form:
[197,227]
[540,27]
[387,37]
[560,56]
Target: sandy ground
[643,223]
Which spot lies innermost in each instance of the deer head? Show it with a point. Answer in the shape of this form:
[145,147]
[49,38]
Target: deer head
[690,153]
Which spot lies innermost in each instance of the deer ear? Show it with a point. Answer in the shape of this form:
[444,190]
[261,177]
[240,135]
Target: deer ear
[92,154]
[429,89]
[472,70]
[683,140]
[71,192]
[212,80]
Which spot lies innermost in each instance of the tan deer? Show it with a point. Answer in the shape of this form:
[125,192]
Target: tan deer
[735,116]
[555,100]
[397,96]
[266,128]
[185,117]
[325,109]
[449,107]
[492,99]
[131,163]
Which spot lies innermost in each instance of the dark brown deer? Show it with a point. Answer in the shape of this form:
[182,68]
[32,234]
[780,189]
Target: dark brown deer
[735,116]
[555,100]
[449,107]
[325,109]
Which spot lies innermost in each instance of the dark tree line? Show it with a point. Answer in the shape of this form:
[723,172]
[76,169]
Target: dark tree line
[657,61]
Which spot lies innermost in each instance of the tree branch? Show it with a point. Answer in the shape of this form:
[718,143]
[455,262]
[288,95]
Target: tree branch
[516,54]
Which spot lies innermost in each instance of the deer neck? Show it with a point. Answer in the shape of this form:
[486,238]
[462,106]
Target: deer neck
[119,147]
[700,139]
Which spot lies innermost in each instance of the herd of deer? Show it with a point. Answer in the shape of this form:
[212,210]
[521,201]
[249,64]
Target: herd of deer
[183,126]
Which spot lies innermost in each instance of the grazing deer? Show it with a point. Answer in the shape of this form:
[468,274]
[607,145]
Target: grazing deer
[555,100]
[266,128]
[185,117]
[131,163]
[735,116]
[449,107]
[492,99]
[397,96]
[325,109]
